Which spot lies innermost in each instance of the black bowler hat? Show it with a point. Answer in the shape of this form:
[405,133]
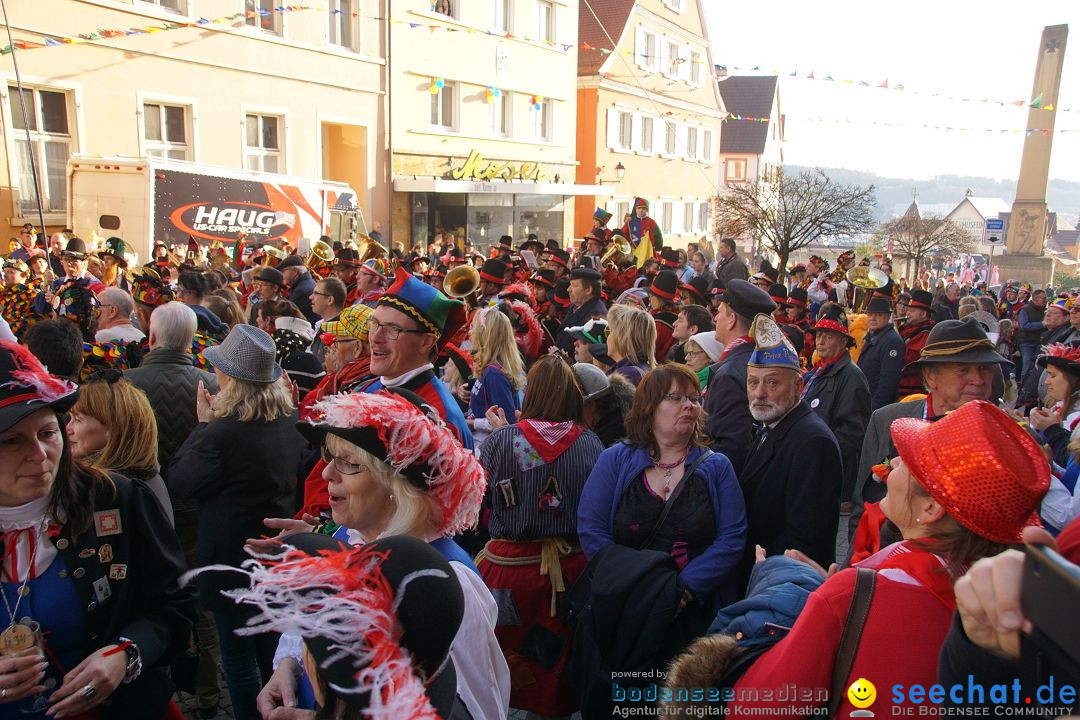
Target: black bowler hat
[553,244]
[833,317]
[698,288]
[747,300]
[270,275]
[958,341]
[506,243]
[878,305]
[717,288]
[75,248]
[665,286]
[346,257]
[494,271]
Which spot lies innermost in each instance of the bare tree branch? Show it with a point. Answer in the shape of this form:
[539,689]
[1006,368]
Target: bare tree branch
[917,237]
[795,211]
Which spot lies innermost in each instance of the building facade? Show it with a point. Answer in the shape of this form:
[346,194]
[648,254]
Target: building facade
[482,112]
[649,114]
[245,84]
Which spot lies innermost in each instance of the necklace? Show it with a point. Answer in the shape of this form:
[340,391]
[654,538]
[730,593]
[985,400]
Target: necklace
[668,468]
[20,636]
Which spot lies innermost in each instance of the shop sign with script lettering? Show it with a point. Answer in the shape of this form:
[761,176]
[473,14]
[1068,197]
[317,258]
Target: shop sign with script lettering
[479,168]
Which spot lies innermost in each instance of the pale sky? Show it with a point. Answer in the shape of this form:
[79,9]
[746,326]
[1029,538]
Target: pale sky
[959,48]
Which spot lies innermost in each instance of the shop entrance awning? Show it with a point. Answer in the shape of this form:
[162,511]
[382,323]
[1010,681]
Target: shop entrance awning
[438,185]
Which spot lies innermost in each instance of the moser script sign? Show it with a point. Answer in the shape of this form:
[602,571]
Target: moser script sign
[478,168]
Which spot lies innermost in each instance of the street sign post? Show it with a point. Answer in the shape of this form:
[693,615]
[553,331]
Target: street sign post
[993,235]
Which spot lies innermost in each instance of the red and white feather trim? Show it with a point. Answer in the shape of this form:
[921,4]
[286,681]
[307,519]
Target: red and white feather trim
[455,478]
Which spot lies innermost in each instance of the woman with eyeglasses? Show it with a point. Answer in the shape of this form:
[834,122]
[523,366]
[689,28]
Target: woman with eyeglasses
[113,427]
[393,469]
[702,350]
[241,463]
[623,501]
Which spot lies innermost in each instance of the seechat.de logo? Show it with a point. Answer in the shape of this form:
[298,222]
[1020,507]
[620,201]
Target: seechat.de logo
[862,695]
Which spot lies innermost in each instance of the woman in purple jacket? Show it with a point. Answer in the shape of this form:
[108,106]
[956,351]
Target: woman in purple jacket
[625,495]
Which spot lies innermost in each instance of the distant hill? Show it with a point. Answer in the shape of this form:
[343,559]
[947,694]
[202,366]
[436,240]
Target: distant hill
[894,194]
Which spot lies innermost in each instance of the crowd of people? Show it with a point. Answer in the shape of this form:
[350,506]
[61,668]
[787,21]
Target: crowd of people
[542,478]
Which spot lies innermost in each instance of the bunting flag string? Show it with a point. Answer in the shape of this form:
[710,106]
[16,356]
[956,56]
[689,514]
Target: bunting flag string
[47,41]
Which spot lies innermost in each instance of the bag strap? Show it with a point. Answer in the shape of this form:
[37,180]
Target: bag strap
[706,453]
[849,640]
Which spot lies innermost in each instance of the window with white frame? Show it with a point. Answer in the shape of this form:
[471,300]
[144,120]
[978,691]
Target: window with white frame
[626,130]
[500,15]
[442,106]
[703,216]
[676,5]
[706,145]
[671,60]
[344,23]
[165,131]
[622,209]
[179,6]
[49,144]
[735,169]
[695,67]
[688,217]
[502,123]
[646,134]
[543,121]
[261,14]
[647,49]
[670,135]
[691,143]
[262,143]
[545,20]
[665,217]
[444,7]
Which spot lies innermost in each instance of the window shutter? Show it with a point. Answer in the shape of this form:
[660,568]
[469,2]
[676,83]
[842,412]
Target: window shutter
[641,51]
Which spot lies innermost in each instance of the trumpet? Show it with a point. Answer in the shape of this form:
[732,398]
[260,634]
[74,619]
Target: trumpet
[461,282]
[322,254]
[616,250]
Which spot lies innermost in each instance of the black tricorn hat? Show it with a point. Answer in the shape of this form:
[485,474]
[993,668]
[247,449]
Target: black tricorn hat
[958,341]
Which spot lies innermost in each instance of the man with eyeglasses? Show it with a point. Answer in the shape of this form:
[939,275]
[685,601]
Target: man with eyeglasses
[114,320]
[411,324]
[791,478]
[327,301]
[74,259]
[266,287]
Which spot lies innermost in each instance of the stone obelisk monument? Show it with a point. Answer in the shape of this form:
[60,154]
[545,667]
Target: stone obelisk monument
[1026,237]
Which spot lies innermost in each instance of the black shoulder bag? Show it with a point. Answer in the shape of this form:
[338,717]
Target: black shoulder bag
[676,491]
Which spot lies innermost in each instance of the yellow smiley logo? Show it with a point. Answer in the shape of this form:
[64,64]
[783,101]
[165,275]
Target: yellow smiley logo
[862,693]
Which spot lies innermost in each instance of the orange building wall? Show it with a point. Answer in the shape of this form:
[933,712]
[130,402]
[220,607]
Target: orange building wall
[586,156]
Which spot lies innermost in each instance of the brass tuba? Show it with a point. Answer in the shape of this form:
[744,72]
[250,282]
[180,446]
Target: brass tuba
[867,278]
[370,249]
[320,257]
[613,252]
[461,282]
